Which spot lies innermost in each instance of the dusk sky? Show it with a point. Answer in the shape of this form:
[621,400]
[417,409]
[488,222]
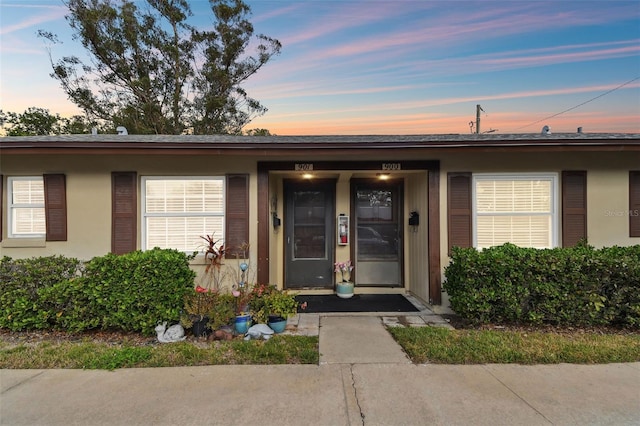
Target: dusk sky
[396,67]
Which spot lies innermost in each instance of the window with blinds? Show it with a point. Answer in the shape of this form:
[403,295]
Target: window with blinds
[519,209]
[178,211]
[26,211]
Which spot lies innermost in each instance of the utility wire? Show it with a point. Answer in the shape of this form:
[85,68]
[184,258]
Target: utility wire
[579,105]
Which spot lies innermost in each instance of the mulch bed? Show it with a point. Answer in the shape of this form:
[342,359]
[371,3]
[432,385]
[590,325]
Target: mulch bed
[114,338]
[460,323]
[109,337]
[117,338]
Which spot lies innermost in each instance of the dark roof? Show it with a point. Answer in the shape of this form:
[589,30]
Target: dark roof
[326,142]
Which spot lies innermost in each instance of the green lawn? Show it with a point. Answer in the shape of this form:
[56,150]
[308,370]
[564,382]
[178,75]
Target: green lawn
[443,346]
[422,344]
[97,355]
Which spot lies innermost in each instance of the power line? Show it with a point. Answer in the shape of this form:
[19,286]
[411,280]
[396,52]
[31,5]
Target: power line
[579,105]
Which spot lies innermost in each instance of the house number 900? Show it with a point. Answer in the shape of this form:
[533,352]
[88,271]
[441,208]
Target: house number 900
[391,166]
[304,167]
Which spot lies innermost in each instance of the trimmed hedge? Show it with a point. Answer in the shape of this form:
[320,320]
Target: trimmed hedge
[22,281]
[569,286]
[130,292]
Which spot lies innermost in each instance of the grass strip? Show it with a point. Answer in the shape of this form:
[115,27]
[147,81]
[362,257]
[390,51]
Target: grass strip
[93,355]
[443,346]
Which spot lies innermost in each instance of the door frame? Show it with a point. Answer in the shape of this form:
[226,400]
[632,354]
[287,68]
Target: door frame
[396,185]
[329,185]
[432,167]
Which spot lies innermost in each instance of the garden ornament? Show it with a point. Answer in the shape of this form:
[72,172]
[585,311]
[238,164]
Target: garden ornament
[175,333]
[259,331]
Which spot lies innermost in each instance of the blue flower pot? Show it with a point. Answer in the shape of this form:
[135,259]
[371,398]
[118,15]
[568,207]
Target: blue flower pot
[278,326]
[242,323]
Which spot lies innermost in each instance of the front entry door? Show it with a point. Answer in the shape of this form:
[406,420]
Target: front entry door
[378,222]
[309,233]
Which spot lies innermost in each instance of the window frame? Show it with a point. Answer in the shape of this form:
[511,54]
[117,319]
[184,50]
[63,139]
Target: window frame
[11,207]
[143,204]
[553,178]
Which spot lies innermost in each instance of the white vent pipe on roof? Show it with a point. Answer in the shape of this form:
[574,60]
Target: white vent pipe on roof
[122,130]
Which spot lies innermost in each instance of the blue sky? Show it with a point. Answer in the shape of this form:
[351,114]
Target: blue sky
[397,67]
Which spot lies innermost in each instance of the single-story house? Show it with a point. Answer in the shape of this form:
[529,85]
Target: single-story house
[393,205]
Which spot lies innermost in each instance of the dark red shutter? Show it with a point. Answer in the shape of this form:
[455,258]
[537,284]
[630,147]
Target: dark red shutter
[124,206]
[55,207]
[1,204]
[236,214]
[459,209]
[634,203]
[574,207]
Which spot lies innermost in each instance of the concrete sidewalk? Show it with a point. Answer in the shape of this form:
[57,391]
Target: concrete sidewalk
[363,378]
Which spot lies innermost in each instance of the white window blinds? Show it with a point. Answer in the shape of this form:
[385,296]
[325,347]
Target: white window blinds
[177,211]
[26,207]
[518,209]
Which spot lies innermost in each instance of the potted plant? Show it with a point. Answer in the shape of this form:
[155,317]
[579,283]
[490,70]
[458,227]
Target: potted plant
[198,305]
[207,310]
[344,287]
[259,295]
[222,312]
[280,305]
[241,301]
[272,306]
[214,253]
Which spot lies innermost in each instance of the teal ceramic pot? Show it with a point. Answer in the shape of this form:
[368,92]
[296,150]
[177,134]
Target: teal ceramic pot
[344,289]
[242,323]
[277,325]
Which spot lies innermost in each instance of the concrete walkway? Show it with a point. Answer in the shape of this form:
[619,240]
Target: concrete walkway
[364,378]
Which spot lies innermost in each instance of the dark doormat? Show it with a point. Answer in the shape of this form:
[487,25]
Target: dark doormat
[357,303]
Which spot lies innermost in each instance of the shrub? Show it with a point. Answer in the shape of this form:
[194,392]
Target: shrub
[130,292]
[134,291]
[22,281]
[570,286]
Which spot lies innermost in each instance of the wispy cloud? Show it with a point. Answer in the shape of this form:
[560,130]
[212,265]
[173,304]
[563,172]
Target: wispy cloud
[472,26]
[430,44]
[348,15]
[407,107]
[528,59]
[53,13]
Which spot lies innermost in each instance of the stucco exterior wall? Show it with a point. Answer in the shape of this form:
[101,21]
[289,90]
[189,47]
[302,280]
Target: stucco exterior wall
[608,207]
[88,181]
[607,188]
[416,238]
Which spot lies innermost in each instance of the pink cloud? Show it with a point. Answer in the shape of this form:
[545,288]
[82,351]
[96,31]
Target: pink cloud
[401,117]
[539,60]
[594,122]
[350,15]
